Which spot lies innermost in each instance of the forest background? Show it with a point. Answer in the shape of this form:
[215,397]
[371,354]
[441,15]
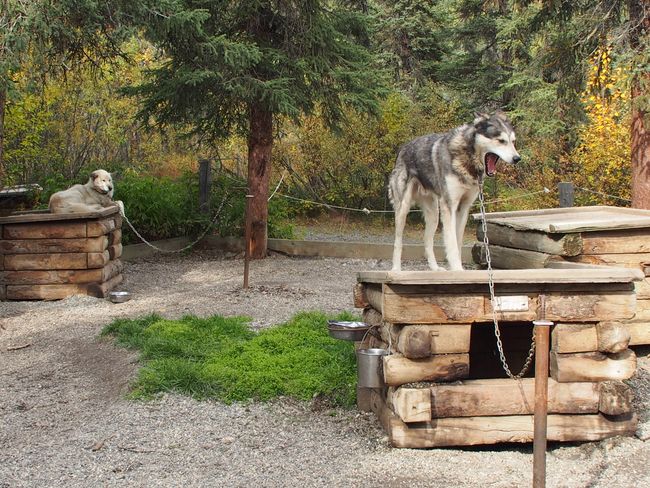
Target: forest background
[565,73]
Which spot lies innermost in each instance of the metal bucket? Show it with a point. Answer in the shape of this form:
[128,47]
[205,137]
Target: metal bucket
[370,370]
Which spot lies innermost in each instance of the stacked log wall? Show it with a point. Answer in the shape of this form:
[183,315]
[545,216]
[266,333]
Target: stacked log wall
[428,399]
[47,257]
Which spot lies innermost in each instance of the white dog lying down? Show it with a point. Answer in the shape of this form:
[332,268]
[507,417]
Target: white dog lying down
[95,195]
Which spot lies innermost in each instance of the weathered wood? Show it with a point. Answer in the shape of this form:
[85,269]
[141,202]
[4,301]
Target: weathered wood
[45,230]
[642,289]
[115,251]
[115,237]
[359,296]
[571,220]
[410,404]
[374,295]
[33,216]
[629,241]
[54,277]
[2,262]
[426,305]
[418,341]
[3,292]
[490,397]
[399,370]
[37,246]
[622,260]
[101,290]
[510,258]
[557,244]
[100,227]
[503,276]
[372,317]
[51,261]
[592,366]
[468,431]
[510,397]
[44,292]
[639,332]
[608,337]
[615,397]
[98,259]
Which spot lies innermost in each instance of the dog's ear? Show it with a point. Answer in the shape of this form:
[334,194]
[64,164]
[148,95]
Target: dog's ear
[480,117]
[500,114]
[94,175]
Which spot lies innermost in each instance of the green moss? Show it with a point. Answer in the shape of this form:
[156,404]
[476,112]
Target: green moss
[222,358]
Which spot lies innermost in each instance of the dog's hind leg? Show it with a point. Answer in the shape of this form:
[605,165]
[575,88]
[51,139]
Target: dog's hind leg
[461,220]
[429,205]
[402,207]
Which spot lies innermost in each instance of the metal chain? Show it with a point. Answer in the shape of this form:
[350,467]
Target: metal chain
[212,222]
[493,300]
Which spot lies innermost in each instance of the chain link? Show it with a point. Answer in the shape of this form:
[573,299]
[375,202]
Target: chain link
[192,244]
[493,300]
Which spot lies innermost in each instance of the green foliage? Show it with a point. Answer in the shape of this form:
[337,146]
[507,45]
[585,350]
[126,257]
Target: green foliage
[222,358]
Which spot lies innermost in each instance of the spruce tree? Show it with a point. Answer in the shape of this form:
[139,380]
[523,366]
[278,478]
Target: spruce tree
[237,67]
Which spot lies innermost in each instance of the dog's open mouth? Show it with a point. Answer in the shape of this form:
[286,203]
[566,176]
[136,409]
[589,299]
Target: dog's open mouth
[491,163]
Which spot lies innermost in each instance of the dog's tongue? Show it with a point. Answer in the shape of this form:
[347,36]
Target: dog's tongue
[491,163]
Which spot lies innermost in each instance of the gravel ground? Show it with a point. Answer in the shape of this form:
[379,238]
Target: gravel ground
[64,420]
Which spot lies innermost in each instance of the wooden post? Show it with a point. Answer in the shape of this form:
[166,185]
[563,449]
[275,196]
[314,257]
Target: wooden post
[247,239]
[566,193]
[204,185]
[542,344]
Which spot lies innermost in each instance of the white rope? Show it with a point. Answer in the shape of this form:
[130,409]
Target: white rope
[276,188]
[602,194]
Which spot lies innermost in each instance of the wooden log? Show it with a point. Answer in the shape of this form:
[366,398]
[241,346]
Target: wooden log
[510,258]
[615,397]
[49,261]
[592,366]
[509,397]
[629,241]
[399,370]
[410,404]
[117,218]
[44,292]
[621,260]
[2,262]
[115,237]
[359,296]
[372,317]
[556,244]
[608,337]
[98,259]
[101,290]
[469,431]
[45,230]
[642,289]
[56,277]
[100,227]
[374,296]
[3,293]
[419,341]
[639,332]
[38,246]
[413,304]
[115,251]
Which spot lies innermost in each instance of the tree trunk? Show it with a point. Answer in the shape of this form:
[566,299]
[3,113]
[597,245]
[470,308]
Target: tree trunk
[3,102]
[640,137]
[260,144]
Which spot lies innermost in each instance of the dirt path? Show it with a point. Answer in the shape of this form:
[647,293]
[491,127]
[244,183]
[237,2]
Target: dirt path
[64,420]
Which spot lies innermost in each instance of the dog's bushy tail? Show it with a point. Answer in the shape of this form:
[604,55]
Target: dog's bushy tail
[397,184]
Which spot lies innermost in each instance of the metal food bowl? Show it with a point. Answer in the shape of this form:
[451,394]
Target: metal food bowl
[347,331]
[119,296]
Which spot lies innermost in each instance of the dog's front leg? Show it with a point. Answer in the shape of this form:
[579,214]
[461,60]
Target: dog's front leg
[449,229]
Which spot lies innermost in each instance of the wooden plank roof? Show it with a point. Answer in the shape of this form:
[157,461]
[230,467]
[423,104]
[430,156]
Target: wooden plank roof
[46,216]
[571,219]
[597,274]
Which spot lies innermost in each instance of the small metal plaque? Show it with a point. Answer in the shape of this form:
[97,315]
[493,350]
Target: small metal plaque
[515,303]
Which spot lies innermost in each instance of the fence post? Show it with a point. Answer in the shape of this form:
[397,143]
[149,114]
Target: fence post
[566,192]
[204,185]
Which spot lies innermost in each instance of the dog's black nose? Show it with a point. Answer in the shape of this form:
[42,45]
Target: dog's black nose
[516,159]
[110,187]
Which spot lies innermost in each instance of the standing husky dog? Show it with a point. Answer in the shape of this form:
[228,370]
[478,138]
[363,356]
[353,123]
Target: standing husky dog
[95,195]
[441,173]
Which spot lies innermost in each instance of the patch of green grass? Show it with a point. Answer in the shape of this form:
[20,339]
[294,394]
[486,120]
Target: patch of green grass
[222,358]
